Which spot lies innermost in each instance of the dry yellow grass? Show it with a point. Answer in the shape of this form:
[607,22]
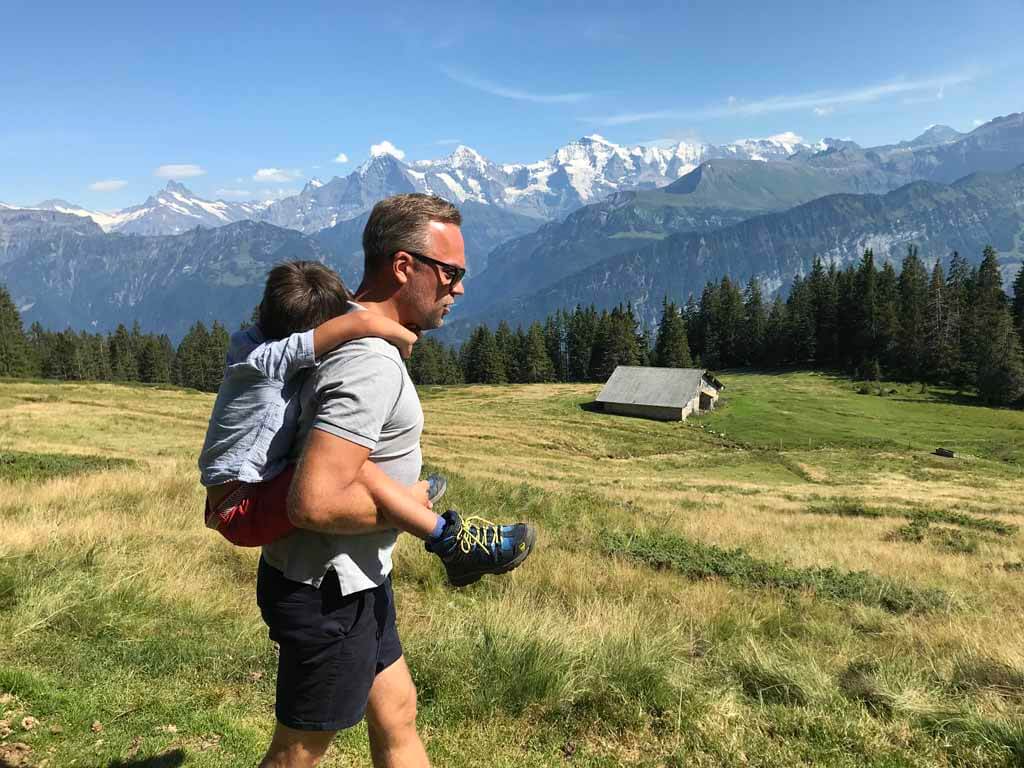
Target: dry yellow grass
[573,612]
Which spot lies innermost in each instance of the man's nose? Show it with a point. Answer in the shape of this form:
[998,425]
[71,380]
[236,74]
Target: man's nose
[459,288]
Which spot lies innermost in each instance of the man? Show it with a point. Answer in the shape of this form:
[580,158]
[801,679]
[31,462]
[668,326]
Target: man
[325,591]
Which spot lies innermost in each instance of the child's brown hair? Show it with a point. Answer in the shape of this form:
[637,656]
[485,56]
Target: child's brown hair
[300,295]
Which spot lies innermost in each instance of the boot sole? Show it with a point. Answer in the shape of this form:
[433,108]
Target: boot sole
[531,539]
[440,492]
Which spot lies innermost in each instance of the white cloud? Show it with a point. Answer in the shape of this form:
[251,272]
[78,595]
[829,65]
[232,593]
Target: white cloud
[823,111]
[818,99]
[276,175]
[269,195]
[108,185]
[179,171]
[386,148]
[472,81]
[341,158]
[232,194]
[978,121]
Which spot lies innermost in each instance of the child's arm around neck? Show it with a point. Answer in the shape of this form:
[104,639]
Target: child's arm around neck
[359,325]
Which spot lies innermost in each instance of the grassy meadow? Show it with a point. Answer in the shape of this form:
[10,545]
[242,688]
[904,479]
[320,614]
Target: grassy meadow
[793,580]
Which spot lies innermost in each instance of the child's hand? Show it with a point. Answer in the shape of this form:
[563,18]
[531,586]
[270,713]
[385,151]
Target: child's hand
[421,493]
[404,339]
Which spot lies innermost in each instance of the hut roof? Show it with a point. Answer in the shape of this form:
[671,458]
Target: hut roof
[640,385]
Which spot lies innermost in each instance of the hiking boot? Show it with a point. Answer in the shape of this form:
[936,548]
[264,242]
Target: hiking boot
[436,486]
[473,547]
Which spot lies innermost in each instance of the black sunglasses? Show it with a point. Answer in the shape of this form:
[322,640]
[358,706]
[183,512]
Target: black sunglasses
[453,273]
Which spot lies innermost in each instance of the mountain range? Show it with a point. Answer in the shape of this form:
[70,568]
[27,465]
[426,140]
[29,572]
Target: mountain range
[758,206]
[978,210]
[576,174]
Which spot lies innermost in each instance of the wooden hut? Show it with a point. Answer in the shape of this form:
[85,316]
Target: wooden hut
[667,394]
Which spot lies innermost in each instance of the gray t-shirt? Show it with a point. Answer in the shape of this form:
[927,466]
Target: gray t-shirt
[360,392]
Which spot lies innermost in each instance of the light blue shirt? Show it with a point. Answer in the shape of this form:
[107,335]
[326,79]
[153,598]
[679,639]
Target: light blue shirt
[255,415]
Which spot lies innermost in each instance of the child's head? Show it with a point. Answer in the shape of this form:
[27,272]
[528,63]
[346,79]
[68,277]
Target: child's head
[300,295]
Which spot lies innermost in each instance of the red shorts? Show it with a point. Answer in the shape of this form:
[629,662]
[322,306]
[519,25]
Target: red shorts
[255,513]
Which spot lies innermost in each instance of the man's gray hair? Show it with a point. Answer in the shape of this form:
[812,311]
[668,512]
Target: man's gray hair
[399,223]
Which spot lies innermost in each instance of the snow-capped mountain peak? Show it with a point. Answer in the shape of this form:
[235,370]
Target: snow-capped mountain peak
[777,147]
[582,171]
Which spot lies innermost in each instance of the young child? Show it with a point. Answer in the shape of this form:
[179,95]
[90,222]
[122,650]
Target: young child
[244,464]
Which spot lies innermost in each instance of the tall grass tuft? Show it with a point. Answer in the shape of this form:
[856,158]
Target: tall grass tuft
[38,467]
[695,560]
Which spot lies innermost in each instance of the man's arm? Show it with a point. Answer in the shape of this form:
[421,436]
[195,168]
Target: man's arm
[325,495]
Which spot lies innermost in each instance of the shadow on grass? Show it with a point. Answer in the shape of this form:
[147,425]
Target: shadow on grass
[592,407]
[170,759]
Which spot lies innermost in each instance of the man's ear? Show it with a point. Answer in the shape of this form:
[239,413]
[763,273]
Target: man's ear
[401,267]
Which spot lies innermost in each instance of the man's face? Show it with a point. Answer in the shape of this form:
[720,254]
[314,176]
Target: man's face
[429,293]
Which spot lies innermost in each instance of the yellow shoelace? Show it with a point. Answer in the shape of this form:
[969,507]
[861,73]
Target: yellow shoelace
[474,533]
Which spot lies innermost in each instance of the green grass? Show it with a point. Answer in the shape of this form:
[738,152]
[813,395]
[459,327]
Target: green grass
[39,467]
[701,561]
[845,507]
[814,411]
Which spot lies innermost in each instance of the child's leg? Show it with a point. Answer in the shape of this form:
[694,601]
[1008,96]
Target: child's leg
[257,513]
[403,507]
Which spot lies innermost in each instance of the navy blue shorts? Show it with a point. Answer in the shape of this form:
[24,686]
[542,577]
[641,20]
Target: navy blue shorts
[332,647]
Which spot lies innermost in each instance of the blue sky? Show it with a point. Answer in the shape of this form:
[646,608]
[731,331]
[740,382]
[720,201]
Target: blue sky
[98,99]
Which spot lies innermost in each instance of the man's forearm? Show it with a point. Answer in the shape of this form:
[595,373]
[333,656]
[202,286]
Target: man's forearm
[372,502]
[347,511]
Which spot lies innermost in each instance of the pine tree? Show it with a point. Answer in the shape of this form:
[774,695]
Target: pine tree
[167,350]
[189,362]
[15,355]
[959,283]
[705,334]
[847,313]
[730,323]
[482,359]
[537,366]
[508,350]
[39,346]
[865,306]
[776,348]
[913,316]
[822,285]
[802,331]
[940,354]
[453,373]
[671,349]
[755,323]
[991,334]
[99,351]
[426,366]
[555,328]
[580,338]
[123,363]
[887,350]
[215,356]
[1018,302]
[153,368]
[1000,360]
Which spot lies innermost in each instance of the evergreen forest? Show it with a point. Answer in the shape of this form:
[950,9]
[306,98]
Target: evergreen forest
[952,325]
